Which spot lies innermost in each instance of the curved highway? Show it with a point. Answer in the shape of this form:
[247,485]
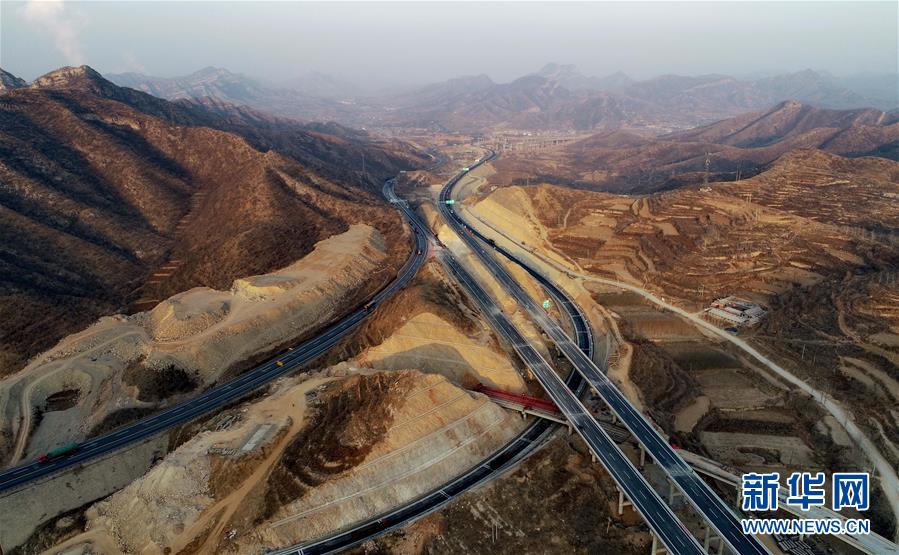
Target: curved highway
[222,394]
[511,454]
[697,492]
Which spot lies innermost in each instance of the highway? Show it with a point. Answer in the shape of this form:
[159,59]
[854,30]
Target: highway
[698,493]
[222,394]
[655,512]
[498,463]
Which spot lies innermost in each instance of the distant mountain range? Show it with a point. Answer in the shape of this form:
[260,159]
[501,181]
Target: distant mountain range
[9,81]
[626,161]
[560,97]
[555,97]
[302,99]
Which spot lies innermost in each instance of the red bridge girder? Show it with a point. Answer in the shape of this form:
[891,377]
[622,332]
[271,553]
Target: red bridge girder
[526,401]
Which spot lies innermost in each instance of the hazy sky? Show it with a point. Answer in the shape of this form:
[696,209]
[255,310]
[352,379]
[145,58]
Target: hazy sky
[380,44]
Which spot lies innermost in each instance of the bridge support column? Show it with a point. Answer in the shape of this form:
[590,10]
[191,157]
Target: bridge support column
[523,415]
[711,537]
[642,456]
[570,429]
[673,493]
[623,502]
[657,547]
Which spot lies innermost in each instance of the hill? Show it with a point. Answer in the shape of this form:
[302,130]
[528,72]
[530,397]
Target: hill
[111,197]
[9,81]
[736,147]
[225,86]
[555,97]
[561,97]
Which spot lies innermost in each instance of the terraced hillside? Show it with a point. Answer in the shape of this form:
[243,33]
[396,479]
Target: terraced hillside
[622,160]
[814,239]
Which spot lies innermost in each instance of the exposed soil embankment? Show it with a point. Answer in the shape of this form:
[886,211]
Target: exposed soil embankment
[114,200]
[313,456]
[432,326]
[813,239]
[351,442]
[557,501]
[134,363]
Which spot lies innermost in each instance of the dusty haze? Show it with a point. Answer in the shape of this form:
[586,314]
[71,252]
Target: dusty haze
[379,45]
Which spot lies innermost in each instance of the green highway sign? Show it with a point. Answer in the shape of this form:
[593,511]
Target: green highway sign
[450,201]
[547,304]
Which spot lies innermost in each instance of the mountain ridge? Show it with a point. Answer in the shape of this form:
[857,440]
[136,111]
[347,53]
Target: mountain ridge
[103,187]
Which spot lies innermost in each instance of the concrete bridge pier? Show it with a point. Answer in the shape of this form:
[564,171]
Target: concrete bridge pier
[710,538]
[658,548]
[623,502]
[673,493]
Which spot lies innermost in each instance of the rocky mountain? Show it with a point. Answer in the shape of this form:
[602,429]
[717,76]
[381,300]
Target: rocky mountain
[224,86]
[111,198]
[561,97]
[556,97]
[843,131]
[571,78]
[9,81]
[620,160]
[211,82]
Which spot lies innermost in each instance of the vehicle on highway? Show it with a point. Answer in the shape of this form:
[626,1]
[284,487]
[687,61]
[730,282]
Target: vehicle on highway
[63,451]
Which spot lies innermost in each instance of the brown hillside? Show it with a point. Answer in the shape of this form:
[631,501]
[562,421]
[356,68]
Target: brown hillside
[622,161]
[103,204]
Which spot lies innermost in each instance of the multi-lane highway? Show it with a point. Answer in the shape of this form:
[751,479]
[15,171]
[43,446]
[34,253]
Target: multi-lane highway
[655,512]
[222,394]
[498,463]
[698,493]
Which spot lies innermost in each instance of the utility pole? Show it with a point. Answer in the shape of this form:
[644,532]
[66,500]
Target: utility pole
[708,164]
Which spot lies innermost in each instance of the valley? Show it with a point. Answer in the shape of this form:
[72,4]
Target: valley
[371,278]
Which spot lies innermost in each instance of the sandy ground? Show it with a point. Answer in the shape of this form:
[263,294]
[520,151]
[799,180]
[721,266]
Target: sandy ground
[200,333]
[513,224]
[436,430]
[433,345]
[175,504]
[210,495]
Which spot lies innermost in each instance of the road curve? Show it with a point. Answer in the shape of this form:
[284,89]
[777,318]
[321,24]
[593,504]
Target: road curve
[697,492]
[887,474]
[654,511]
[220,395]
[498,463]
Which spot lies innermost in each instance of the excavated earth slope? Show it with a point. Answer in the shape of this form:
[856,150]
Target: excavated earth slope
[112,200]
[319,453]
[185,343]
